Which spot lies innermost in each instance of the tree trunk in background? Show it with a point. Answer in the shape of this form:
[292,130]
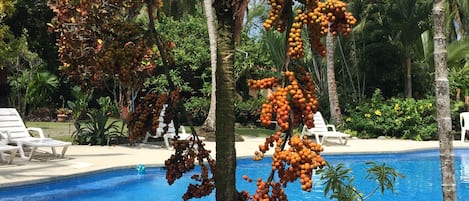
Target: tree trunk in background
[208,127]
[443,104]
[225,180]
[336,115]
[408,77]
[4,88]
[457,23]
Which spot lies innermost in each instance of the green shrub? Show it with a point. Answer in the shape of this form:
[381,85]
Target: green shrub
[199,107]
[248,111]
[397,117]
[96,130]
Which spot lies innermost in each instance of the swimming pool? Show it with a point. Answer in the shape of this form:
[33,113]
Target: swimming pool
[421,169]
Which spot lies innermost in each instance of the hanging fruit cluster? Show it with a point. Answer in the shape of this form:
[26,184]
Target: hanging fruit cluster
[296,162]
[263,189]
[298,97]
[319,17]
[184,159]
[291,105]
[98,41]
[276,16]
[146,116]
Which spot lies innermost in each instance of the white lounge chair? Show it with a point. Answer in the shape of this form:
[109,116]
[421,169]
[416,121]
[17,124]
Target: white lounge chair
[12,128]
[464,119]
[321,129]
[4,147]
[170,134]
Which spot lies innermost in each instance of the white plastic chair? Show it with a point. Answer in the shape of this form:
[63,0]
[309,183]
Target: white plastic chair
[321,129]
[464,119]
[4,147]
[12,128]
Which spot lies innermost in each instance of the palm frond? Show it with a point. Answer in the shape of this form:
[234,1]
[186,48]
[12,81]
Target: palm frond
[458,50]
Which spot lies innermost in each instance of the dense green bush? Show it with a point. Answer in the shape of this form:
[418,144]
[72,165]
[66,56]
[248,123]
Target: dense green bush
[199,107]
[97,129]
[396,117]
[248,111]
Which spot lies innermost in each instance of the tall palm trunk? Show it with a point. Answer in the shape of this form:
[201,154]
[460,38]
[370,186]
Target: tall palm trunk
[208,126]
[336,115]
[4,88]
[442,103]
[408,76]
[225,139]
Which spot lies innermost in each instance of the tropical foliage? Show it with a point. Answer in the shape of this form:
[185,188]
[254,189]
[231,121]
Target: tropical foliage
[396,117]
[97,129]
[339,185]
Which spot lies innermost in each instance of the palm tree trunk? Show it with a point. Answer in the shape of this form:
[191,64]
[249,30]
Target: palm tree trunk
[443,104]
[208,127]
[408,80]
[336,115]
[225,170]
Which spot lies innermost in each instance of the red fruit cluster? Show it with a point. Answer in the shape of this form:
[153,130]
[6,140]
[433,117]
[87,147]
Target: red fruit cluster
[146,116]
[184,159]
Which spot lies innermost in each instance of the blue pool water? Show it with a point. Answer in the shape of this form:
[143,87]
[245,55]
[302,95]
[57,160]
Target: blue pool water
[421,169]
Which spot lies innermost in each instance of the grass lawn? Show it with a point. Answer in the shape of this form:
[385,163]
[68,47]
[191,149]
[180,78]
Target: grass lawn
[64,130]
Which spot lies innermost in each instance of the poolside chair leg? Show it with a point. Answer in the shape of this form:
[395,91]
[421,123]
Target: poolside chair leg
[33,149]
[318,140]
[166,140]
[345,142]
[340,140]
[323,140]
[54,153]
[12,155]
[22,155]
[463,135]
[63,151]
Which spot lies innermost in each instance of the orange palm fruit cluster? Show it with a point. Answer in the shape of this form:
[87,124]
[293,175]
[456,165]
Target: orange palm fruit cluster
[291,105]
[334,17]
[295,42]
[315,39]
[298,161]
[296,100]
[319,17]
[263,189]
[303,98]
[275,16]
[269,142]
[263,83]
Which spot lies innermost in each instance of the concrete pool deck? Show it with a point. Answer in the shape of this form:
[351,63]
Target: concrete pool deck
[82,159]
